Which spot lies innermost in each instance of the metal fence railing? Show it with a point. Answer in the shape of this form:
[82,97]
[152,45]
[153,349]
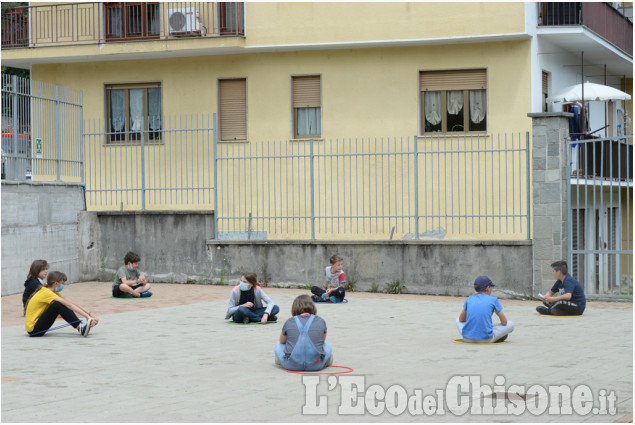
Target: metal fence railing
[612,22]
[168,169]
[98,22]
[459,187]
[600,233]
[41,131]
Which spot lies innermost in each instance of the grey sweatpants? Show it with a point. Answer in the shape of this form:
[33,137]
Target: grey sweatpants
[499,331]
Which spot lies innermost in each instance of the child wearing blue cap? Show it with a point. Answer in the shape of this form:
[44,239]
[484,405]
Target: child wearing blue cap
[475,321]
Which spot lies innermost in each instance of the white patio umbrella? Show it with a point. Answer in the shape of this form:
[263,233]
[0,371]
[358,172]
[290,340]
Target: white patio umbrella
[592,92]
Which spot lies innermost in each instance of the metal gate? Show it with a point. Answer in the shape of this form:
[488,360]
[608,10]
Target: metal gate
[600,196]
[41,131]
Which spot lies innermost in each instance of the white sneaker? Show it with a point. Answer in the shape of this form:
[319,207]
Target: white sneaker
[84,328]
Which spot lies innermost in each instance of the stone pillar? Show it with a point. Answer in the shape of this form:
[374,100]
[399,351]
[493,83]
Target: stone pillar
[549,194]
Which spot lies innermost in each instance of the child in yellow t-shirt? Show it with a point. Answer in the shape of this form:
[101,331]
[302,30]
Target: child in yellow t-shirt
[44,305]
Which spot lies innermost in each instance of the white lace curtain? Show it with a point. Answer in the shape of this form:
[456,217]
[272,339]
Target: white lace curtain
[154,108]
[137,116]
[136,109]
[454,101]
[478,105]
[432,101]
[309,121]
[117,110]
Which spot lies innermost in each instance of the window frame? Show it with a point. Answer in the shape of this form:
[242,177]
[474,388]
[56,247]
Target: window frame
[545,85]
[114,138]
[231,28]
[444,115]
[125,18]
[220,110]
[295,109]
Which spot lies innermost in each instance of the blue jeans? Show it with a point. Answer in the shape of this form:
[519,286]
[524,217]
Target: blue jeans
[255,315]
[279,351]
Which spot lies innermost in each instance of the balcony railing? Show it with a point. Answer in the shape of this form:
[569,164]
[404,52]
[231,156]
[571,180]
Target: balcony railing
[601,18]
[91,23]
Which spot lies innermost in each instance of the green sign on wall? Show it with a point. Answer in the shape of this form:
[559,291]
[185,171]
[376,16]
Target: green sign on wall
[38,148]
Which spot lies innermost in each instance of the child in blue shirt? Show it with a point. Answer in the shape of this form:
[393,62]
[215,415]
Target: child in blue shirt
[475,321]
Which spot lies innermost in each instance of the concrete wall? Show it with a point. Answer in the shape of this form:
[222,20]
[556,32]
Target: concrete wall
[171,243]
[430,267]
[177,247]
[39,221]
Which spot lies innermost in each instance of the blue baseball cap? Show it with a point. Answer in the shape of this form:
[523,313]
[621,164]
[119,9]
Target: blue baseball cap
[482,282]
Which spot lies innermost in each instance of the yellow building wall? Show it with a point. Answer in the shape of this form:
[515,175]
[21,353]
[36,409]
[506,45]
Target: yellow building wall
[329,22]
[296,23]
[365,93]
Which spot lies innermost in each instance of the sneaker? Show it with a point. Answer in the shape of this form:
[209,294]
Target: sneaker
[325,296]
[547,304]
[501,339]
[277,361]
[329,361]
[84,327]
[245,320]
[273,318]
[146,294]
[316,299]
[543,310]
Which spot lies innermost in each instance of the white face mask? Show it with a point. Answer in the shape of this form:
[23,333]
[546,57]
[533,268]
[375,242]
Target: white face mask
[244,286]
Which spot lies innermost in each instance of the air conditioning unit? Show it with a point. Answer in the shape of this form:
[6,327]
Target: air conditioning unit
[184,20]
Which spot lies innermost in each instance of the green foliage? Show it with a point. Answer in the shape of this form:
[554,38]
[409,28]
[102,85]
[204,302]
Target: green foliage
[395,288]
[350,285]
[102,274]
[446,293]
[221,282]
[374,287]
[458,292]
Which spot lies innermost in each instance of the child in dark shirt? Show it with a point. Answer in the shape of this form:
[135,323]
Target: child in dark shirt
[35,280]
[245,302]
[570,300]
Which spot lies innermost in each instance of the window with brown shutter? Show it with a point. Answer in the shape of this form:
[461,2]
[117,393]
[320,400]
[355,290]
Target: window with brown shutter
[307,107]
[233,109]
[453,101]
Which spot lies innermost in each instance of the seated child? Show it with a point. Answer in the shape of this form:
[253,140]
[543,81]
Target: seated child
[46,303]
[475,321]
[334,282]
[245,302]
[128,281]
[570,300]
[302,346]
[35,279]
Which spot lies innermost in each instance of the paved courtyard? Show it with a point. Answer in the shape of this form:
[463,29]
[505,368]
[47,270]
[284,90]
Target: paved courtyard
[172,358]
